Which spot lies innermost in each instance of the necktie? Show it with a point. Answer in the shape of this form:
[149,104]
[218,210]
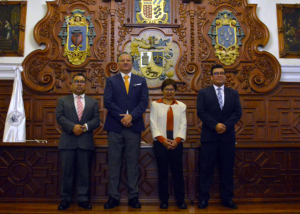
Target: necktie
[79,107]
[126,83]
[220,98]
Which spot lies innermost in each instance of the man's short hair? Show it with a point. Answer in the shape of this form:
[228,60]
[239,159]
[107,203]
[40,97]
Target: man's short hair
[79,74]
[216,66]
[125,53]
[167,82]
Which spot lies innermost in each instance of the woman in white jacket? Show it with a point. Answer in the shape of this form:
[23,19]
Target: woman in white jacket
[168,127]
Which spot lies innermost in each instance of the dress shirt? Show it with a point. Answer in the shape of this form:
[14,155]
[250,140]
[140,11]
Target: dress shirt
[129,78]
[83,104]
[222,92]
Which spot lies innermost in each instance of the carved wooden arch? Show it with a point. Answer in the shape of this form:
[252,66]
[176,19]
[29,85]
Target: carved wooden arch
[48,70]
[252,72]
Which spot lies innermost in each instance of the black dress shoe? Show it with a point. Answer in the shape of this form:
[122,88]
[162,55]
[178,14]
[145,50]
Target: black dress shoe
[64,204]
[202,204]
[85,205]
[134,203]
[181,205]
[164,205]
[229,204]
[111,203]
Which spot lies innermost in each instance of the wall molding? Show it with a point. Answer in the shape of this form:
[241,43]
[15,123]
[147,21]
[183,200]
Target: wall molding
[289,73]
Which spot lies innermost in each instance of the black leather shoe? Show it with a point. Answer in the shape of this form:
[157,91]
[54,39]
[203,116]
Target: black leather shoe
[134,203]
[229,204]
[181,205]
[164,205]
[202,204]
[64,204]
[111,203]
[85,205]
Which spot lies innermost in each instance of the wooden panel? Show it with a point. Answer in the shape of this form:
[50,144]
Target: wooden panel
[32,173]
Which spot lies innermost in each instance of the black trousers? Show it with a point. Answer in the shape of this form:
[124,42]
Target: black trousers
[217,153]
[75,163]
[164,159]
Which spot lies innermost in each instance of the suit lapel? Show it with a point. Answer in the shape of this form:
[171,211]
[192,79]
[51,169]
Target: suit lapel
[215,98]
[227,98]
[86,101]
[122,84]
[72,105]
[131,84]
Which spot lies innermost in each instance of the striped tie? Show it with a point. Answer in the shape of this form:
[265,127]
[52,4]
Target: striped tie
[79,107]
[220,98]
[126,83]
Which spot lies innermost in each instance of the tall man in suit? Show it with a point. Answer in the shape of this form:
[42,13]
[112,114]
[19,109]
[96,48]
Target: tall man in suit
[219,109]
[78,115]
[126,99]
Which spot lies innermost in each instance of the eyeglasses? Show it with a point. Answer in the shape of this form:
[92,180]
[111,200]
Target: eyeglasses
[169,89]
[77,82]
[219,73]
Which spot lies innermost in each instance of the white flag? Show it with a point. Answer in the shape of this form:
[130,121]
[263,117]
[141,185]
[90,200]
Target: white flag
[15,124]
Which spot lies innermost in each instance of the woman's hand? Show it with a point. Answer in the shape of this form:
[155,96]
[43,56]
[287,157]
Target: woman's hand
[174,144]
[167,144]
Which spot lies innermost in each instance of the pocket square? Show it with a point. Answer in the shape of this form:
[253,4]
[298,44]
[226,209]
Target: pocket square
[136,84]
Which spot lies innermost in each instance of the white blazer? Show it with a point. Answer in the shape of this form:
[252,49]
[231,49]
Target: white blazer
[158,119]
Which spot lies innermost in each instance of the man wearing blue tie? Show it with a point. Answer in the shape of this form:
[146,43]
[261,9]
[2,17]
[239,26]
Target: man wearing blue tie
[219,109]
[126,99]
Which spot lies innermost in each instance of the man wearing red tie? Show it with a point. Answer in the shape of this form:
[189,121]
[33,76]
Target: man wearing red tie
[126,99]
[78,116]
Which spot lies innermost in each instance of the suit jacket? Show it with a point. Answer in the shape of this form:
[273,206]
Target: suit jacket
[158,119]
[210,113]
[67,118]
[117,101]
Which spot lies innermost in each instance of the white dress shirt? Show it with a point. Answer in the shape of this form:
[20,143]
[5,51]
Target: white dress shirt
[83,104]
[222,92]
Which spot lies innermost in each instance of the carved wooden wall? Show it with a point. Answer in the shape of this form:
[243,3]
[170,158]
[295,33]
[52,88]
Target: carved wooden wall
[267,157]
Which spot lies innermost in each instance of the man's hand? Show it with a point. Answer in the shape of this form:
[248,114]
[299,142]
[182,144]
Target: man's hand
[128,125]
[127,118]
[84,129]
[77,130]
[220,128]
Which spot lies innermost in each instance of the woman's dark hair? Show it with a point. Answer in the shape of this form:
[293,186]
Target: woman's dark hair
[168,82]
[216,66]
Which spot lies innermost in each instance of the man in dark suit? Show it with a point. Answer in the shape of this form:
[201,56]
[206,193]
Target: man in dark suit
[219,109]
[126,99]
[78,115]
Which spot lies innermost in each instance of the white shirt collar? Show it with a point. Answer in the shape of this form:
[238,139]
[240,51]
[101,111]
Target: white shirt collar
[75,96]
[123,75]
[216,87]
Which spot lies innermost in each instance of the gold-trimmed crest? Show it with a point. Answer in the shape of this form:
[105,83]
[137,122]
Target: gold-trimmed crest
[152,12]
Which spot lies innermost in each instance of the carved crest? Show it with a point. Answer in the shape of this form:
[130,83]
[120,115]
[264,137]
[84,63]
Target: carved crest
[77,35]
[152,11]
[227,35]
[153,59]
